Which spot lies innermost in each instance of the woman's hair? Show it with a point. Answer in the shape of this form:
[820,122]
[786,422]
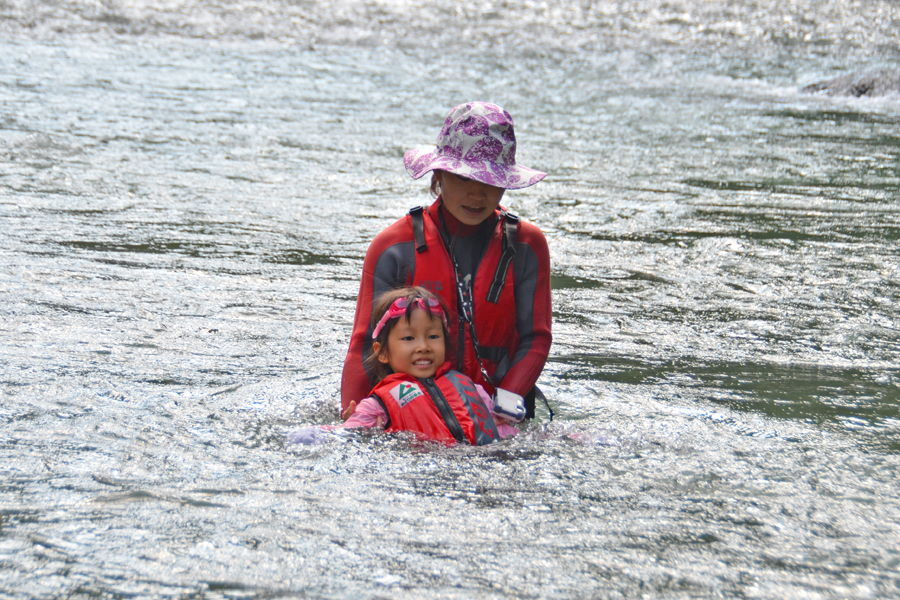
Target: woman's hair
[374,366]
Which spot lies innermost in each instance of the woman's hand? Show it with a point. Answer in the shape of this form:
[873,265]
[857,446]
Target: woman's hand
[348,412]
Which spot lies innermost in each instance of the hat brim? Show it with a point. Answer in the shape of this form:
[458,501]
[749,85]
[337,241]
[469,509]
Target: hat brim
[419,161]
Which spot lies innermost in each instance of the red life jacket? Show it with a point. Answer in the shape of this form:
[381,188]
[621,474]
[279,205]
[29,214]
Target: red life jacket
[493,294]
[444,408]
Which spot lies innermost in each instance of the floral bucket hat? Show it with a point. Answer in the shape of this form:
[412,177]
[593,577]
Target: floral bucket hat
[477,142]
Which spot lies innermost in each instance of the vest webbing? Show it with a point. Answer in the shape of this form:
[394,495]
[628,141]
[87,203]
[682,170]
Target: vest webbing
[418,225]
[510,229]
[443,406]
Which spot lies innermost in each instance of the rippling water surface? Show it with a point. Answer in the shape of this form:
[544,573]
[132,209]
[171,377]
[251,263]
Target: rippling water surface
[187,190]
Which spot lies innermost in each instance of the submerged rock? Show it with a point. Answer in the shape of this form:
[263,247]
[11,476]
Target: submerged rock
[870,83]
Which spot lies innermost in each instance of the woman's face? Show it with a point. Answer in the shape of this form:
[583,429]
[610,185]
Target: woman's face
[470,201]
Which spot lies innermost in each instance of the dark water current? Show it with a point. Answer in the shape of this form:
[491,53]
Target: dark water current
[187,190]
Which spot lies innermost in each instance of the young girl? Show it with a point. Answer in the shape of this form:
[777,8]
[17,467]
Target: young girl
[490,268]
[417,390]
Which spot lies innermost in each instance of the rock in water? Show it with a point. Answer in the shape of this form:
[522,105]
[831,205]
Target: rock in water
[870,83]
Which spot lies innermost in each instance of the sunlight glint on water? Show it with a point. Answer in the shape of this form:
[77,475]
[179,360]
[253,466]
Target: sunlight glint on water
[186,194]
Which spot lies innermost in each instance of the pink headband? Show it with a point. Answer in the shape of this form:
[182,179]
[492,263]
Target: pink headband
[399,306]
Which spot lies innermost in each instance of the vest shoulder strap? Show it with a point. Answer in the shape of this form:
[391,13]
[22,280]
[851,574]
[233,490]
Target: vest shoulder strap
[417,214]
[510,224]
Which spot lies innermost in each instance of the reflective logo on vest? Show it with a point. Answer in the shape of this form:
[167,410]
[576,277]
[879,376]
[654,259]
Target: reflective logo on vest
[404,393]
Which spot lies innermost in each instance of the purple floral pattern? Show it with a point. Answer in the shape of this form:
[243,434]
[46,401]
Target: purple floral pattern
[476,141]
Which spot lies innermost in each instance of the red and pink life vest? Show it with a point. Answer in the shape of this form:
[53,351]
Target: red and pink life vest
[445,408]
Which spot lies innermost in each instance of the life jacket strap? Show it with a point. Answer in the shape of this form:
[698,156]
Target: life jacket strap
[485,427]
[418,226]
[510,230]
[446,412]
[529,402]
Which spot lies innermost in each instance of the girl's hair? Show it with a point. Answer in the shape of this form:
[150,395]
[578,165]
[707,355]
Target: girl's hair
[374,366]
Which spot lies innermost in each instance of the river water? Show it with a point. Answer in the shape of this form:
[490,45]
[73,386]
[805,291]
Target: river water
[187,191]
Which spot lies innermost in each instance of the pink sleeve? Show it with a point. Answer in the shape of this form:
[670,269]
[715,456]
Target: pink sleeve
[369,413]
[503,428]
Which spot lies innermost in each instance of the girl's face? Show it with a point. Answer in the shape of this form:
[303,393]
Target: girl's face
[415,348]
[470,201]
